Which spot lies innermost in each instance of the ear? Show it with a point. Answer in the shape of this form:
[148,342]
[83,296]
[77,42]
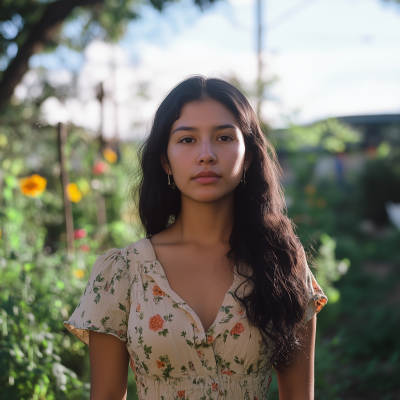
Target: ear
[248,157]
[165,164]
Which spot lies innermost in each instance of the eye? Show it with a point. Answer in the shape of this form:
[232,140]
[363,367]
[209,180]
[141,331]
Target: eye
[225,138]
[183,140]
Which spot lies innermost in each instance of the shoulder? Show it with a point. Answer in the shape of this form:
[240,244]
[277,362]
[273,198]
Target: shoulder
[123,262]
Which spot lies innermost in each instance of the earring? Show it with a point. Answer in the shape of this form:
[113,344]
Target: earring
[243,180]
[173,186]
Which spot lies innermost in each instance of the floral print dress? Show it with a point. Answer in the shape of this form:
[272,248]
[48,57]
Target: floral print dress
[172,357]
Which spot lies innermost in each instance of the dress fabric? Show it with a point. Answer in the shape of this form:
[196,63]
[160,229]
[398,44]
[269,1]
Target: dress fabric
[172,357]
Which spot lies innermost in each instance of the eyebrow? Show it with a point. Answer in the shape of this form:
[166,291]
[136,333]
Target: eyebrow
[215,128]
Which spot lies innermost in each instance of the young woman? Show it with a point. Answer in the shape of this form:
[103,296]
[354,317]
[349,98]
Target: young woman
[219,290]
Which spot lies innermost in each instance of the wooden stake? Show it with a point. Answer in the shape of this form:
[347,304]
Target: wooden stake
[69,221]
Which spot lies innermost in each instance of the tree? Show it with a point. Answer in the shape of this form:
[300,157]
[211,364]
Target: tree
[29,27]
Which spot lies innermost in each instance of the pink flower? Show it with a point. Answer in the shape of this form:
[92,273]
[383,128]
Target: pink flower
[107,287]
[100,168]
[80,233]
[84,247]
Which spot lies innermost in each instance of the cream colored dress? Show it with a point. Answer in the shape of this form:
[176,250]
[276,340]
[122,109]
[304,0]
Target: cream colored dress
[172,357]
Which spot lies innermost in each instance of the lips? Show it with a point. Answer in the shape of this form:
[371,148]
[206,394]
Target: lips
[207,174]
[206,177]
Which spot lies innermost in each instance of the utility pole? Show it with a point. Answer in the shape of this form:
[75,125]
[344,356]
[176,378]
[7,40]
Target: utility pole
[100,98]
[100,201]
[115,94]
[259,56]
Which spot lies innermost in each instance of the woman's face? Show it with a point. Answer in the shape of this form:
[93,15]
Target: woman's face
[206,137]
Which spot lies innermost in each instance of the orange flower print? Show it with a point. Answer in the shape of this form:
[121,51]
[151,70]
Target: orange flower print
[156,323]
[320,303]
[318,291]
[227,372]
[181,394]
[221,393]
[160,364]
[200,353]
[215,387]
[255,398]
[120,332]
[237,329]
[210,339]
[107,287]
[138,308]
[157,291]
[241,311]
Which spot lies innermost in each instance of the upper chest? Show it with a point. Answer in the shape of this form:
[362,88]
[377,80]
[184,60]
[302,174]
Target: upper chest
[200,277]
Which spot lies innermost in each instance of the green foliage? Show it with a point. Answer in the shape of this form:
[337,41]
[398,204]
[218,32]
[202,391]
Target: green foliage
[39,282]
[330,270]
[379,183]
[329,134]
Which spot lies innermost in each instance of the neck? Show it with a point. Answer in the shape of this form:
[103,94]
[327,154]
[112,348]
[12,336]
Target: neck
[206,223]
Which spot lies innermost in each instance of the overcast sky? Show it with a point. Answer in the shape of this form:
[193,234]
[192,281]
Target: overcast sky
[331,58]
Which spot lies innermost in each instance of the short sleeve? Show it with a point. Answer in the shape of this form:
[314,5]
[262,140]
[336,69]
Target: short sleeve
[105,304]
[316,297]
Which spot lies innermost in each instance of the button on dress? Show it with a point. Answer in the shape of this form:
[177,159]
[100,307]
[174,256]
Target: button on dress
[172,357]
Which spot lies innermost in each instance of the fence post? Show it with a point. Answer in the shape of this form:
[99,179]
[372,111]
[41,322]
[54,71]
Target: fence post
[69,222]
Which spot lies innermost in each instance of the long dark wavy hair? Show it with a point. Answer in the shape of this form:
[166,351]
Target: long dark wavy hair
[262,237]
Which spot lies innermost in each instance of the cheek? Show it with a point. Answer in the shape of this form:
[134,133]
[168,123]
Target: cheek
[180,160]
[236,159]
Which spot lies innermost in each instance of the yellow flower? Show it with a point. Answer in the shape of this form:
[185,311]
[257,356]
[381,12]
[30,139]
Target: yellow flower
[110,155]
[33,186]
[73,193]
[310,189]
[78,273]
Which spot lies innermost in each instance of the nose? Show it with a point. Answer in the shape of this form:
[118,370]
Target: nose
[207,155]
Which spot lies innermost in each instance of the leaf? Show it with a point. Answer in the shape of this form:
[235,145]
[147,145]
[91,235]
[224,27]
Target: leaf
[145,367]
[147,349]
[122,307]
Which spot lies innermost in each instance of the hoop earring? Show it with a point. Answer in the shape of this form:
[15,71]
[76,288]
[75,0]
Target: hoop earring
[243,180]
[173,186]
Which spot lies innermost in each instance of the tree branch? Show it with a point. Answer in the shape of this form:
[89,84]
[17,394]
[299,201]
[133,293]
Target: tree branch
[40,34]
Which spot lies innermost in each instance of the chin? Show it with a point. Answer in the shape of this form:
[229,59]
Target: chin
[206,195]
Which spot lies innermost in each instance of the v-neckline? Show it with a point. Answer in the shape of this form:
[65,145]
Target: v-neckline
[195,316]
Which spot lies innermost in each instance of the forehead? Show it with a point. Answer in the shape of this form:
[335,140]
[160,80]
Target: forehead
[205,113]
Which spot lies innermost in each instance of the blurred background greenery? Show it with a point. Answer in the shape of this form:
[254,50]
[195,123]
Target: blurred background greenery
[342,187]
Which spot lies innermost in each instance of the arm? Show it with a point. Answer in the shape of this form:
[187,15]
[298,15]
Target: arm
[296,379]
[109,360]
